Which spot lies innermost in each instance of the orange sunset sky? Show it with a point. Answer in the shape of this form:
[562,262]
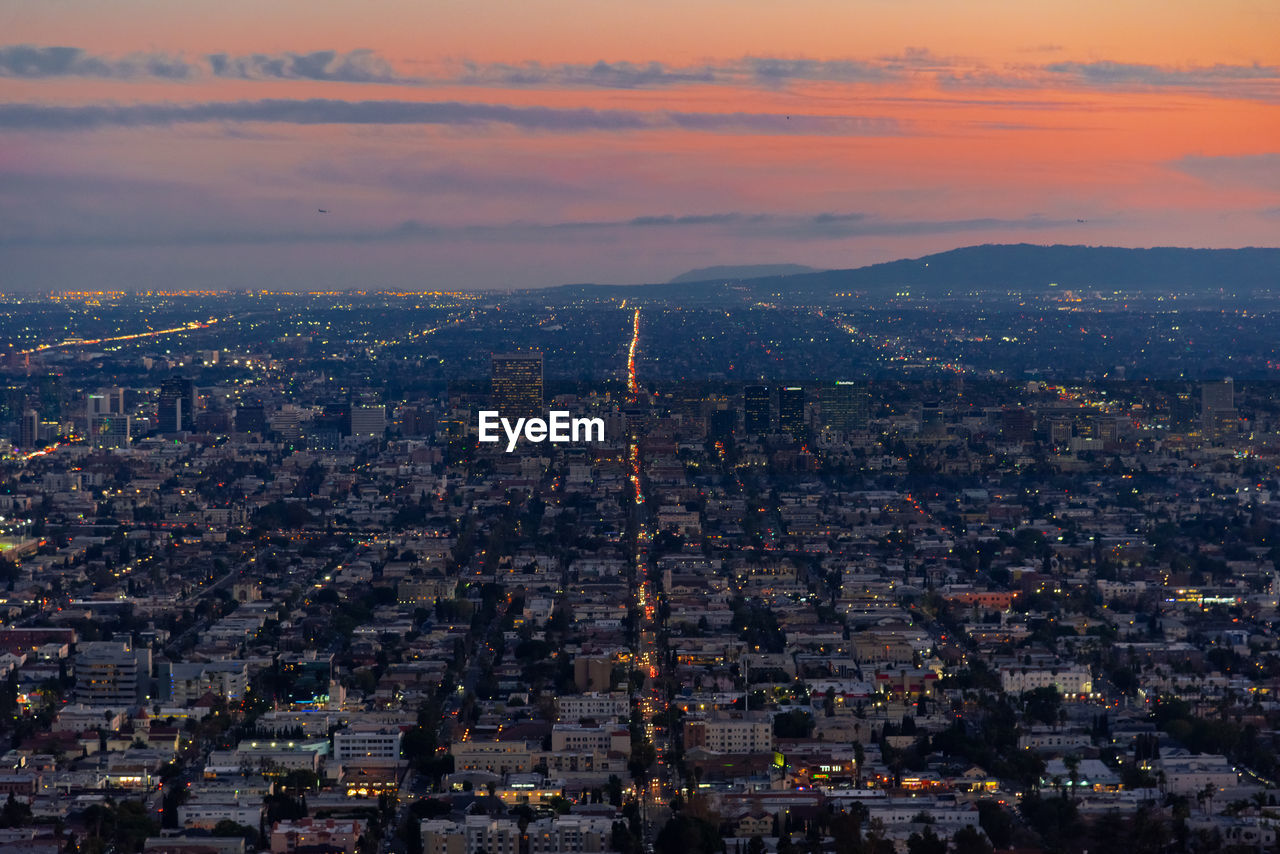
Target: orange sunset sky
[516,143]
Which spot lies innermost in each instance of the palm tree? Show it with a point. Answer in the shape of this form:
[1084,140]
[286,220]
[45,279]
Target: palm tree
[1205,796]
[1073,766]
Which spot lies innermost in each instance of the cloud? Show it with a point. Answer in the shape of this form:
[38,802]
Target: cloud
[357,66]
[367,66]
[1106,73]
[31,62]
[1252,171]
[606,75]
[1253,82]
[451,113]
[820,226]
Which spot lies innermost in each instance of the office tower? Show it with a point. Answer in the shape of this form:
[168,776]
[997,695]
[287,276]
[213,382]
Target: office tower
[845,406]
[112,431]
[110,673]
[1107,430]
[103,402]
[517,384]
[213,419]
[287,422]
[417,421]
[1060,431]
[1217,396]
[29,429]
[368,421]
[1182,412]
[1017,424]
[251,418]
[791,409]
[330,427]
[49,391]
[756,412]
[721,423]
[177,410]
[96,404]
[306,677]
[1218,410]
[836,402]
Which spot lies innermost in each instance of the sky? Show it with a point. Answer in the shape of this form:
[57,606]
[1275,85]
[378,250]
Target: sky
[498,144]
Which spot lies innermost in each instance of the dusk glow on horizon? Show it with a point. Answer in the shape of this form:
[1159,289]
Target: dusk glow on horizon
[508,145]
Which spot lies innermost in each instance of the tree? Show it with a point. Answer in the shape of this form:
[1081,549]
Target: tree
[686,834]
[1042,704]
[614,788]
[229,828]
[796,723]
[926,842]
[996,822]
[412,836]
[15,813]
[969,840]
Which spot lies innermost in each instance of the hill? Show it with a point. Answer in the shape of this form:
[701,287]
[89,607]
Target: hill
[746,271]
[1026,267]
[1019,267]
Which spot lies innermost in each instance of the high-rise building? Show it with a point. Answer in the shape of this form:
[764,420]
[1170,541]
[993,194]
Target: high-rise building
[95,405]
[111,673]
[1060,431]
[1218,410]
[1217,396]
[330,427]
[791,409]
[517,384]
[1182,412]
[112,431]
[177,410]
[368,421]
[29,429]
[100,404]
[287,422]
[757,416]
[1017,424]
[417,421]
[845,406]
[721,422]
[251,418]
[49,392]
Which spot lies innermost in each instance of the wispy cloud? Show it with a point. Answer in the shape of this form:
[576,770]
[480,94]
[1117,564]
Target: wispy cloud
[452,113]
[917,64]
[1129,74]
[32,62]
[1254,171]
[814,227]
[367,66]
[1254,82]
[357,66]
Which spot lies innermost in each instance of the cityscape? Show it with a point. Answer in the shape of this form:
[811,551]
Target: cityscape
[266,589]
[615,427]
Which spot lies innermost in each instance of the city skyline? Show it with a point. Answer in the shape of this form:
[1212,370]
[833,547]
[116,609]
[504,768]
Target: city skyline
[483,147]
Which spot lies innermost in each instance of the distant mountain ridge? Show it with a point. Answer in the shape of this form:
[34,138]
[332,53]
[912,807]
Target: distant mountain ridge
[1005,267]
[1028,267]
[743,271]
